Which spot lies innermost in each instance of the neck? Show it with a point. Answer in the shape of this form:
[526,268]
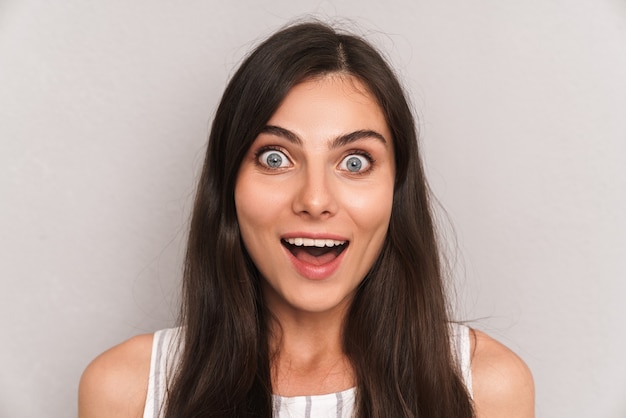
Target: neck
[307,355]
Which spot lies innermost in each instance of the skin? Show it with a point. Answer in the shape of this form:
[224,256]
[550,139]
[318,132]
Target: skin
[312,193]
[503,385]
[116,382]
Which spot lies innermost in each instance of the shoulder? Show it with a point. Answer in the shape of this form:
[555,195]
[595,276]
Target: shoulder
[502,383]
[116,382]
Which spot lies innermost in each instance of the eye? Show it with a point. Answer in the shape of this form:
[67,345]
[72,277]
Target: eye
[272,158]
[356,163]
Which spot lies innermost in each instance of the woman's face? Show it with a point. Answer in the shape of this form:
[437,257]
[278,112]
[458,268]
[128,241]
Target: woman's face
[314,195]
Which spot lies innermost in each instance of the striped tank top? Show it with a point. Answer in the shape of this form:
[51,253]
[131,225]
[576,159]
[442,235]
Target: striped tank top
[333,405]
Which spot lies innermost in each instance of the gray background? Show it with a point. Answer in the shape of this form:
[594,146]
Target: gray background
[104,113]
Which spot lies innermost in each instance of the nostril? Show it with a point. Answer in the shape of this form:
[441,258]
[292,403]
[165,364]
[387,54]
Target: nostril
[315,196]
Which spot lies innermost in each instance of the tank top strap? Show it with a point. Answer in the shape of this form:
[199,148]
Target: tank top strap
[161,365]
[461,348]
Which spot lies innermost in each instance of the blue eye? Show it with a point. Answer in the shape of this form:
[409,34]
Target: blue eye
[355,163]
[273,159]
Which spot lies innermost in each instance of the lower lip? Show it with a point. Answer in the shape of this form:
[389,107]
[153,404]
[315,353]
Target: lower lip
[312,271]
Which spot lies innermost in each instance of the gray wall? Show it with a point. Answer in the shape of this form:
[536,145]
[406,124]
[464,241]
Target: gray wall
[104,111]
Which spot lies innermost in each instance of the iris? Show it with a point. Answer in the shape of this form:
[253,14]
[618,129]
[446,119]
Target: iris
[274,160]
[354,164]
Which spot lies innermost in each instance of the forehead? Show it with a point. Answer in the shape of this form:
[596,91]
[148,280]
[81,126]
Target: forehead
[328,106]
[333,86]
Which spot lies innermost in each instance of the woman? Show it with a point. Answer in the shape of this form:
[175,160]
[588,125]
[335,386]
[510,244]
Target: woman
[312,282]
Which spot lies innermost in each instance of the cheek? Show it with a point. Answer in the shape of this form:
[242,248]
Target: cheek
[248,222]
[371,210]
[258,206]
[245,202]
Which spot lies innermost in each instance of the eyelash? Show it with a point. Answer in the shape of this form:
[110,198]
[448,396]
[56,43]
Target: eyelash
[358,152]
[262,150]
[364,154]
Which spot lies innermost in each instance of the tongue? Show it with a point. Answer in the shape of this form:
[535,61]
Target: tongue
[313,255]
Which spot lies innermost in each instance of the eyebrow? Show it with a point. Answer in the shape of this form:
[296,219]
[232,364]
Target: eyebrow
[337,142]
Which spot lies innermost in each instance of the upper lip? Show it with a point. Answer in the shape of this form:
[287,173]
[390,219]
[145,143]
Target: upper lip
[314,236]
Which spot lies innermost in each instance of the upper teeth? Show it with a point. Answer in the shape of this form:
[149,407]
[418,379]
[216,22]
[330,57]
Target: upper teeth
[309,242]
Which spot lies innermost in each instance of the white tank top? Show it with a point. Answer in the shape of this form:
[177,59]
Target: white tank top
[333,405]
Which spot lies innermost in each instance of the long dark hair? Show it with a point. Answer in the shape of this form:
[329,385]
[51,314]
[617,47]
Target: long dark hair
[396,332]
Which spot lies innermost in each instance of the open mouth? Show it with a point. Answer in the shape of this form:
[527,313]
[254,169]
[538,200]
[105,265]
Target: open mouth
[315,251]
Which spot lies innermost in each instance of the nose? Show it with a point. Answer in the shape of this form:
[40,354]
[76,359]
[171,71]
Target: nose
[316,195]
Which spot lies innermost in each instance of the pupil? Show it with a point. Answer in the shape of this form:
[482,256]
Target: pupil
[274,160]
[354,164]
